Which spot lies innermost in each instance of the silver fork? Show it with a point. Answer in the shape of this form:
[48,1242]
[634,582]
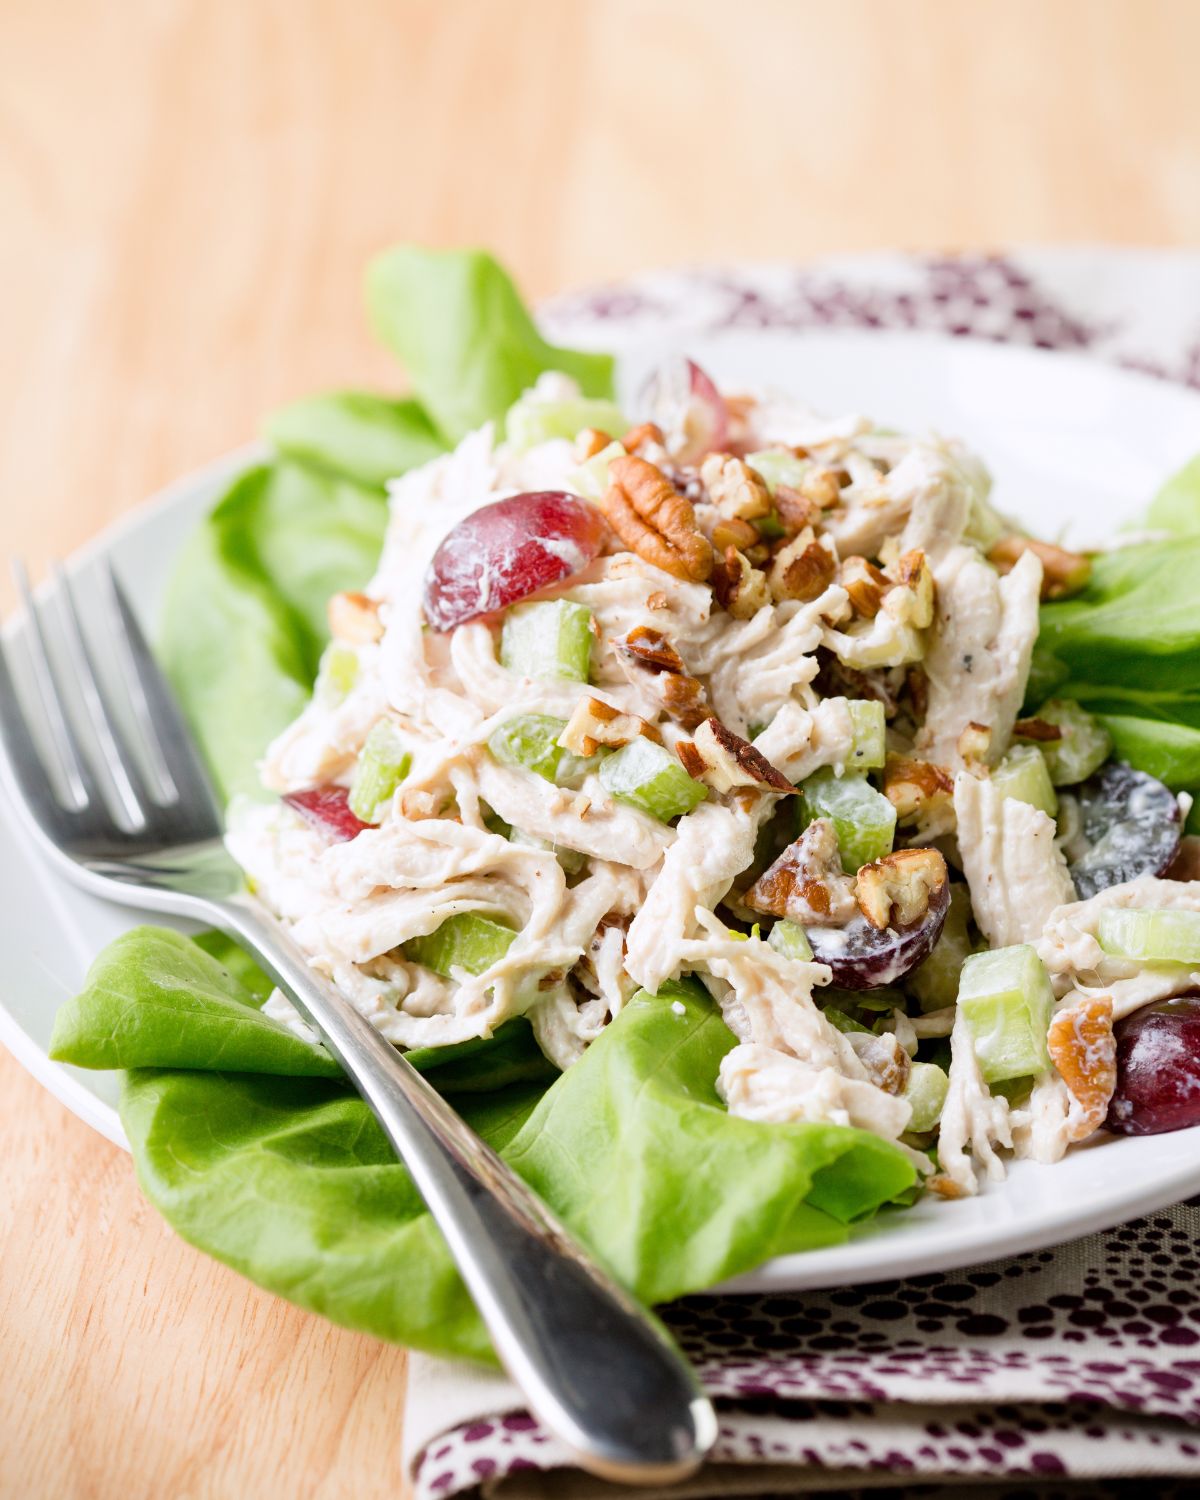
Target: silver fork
[597,1368]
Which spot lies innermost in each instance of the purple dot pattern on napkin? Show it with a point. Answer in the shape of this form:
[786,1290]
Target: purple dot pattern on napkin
[1039,1373]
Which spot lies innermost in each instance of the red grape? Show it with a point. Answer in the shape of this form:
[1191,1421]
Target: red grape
[864,957]
[1158,1069]
[327,808]
[1129,826]
[684,402]
[504,551]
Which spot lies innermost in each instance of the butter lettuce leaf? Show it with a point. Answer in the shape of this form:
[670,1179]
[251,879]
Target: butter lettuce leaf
[1176,507]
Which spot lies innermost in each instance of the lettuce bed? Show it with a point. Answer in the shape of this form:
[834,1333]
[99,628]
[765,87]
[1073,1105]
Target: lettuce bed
[249,1142]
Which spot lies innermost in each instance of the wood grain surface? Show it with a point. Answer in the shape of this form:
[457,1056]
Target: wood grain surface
[188,192]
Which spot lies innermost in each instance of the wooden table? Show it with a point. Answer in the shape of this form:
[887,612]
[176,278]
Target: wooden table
[188,193]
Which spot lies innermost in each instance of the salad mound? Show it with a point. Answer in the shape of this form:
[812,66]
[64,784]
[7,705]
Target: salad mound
[723,691]
[730,691]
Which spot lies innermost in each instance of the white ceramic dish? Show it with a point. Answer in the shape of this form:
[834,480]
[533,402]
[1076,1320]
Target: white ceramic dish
[1076,447]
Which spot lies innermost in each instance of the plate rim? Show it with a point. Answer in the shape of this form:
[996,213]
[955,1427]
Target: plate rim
[844,1263]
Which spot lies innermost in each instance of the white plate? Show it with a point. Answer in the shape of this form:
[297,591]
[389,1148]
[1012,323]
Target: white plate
[1076,447]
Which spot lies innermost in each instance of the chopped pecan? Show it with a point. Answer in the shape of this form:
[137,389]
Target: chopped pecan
[916,788]
[895,891]
[945,1187]
[646,652]
[1063,572]
[917,682]
[654,520]
[865,583]
[594,723]
[794,510]
[730,531]
[822,486]
[1084,1051]
[802,569]
[806,883]
[912,572]
[887,1063]
[590,442]
[646,432]
[974,743]
[723,760]
[354,618]
[1037,729]
[736,489]
[741,589]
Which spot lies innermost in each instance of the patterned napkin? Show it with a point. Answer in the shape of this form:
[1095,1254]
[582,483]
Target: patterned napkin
[1041,1376]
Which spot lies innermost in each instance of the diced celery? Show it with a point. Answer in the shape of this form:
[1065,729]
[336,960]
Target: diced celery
[382,766]
[926,1092]
[493,822]
[535,420]
[648,776]
[590,478]
[336,674]
[1022,774]
[790,939]
[1005,999]
[935,982]
[570,859]
[836,1016]
[466,940]
[864,819]
[1154,937]
[868,751]
[531,741]
[550,638]
[1085,743]
[777,466]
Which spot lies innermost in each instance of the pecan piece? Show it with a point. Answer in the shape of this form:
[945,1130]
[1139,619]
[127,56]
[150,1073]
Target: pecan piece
[912,573]
[886,1061]
[741,590]
[974,743]
[1037,729]
[591,440]
[865,583]
[654,520]
[806,883]
[723,760]
[1084,1051]
[802,570]
[729,531]
[737,490]
[794,510]
[821,486]
[646,652]
[895,891]
[354,618]
[594,723]
[1063,572]
[645,433]
[916,788]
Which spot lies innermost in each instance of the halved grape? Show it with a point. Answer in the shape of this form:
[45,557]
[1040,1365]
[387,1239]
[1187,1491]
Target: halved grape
[507,550]
[863,957]
[1158,1069]
[686,406]
[327,808]
[1129,825]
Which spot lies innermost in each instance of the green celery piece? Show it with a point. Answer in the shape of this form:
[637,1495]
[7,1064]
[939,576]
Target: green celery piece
[548,638]
[925,1090]
[534,420]
[382,766]
[1022,774]
[458,325]
[530,741]
[1166,937]
[590,478]
[790,939]
[842,1020]
[868,751]
[570,859]
[1006,999]
[1085,743]
[864,819]
[770,527]
[935,982]
[777,466]
[466,940]
[648,776]
[336,675]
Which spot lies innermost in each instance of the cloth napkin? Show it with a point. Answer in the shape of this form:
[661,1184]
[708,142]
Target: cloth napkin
[1045,1375]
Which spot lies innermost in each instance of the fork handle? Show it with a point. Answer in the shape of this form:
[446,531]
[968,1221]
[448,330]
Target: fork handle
[598,1369]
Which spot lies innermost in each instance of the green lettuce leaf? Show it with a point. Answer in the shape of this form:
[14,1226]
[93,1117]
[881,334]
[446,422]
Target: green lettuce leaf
[355,435]
[251,1146]
[1176,507]
[458,325]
